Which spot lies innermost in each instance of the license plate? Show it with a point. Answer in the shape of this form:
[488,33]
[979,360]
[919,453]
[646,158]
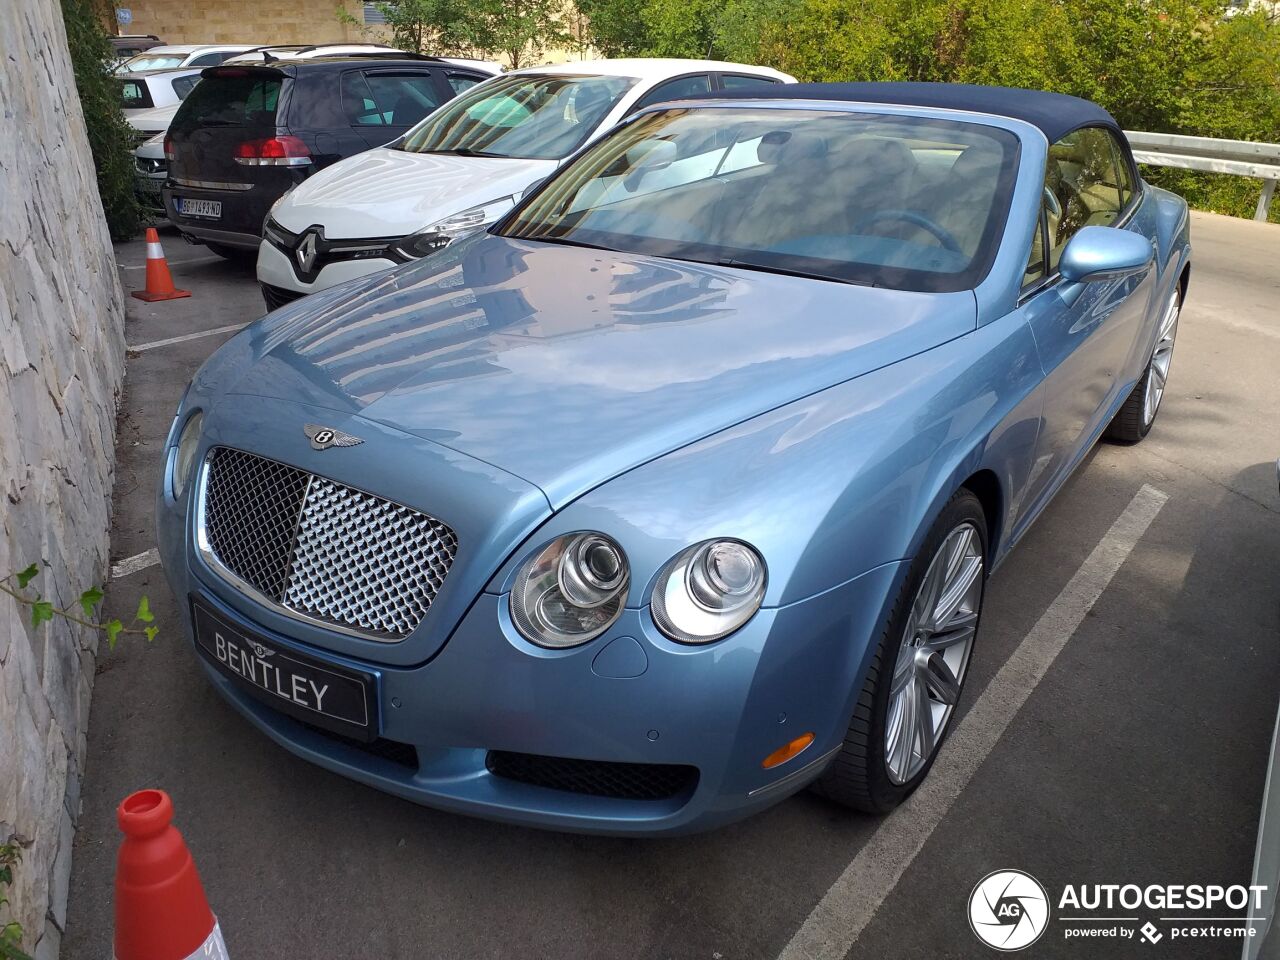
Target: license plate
[319,693]
[147,185]
[209,209]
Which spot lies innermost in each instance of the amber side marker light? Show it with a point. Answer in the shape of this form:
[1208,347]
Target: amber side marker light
[787,751]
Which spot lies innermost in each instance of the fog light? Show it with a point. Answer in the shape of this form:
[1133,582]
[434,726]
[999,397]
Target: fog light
[787,751]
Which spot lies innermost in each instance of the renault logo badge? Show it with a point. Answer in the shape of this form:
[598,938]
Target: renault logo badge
[306,252]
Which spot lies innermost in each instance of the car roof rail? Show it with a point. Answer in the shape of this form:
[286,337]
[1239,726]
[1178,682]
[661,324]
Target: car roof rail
[321,46]
[390,55]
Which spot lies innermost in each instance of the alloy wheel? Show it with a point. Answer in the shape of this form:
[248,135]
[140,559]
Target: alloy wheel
[934,653]
[1161,358]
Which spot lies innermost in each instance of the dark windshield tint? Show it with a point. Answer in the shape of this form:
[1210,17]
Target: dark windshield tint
[239,100]
[533,116]
[903,202]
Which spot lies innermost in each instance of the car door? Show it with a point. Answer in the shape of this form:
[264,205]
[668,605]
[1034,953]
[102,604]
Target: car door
[1085,333]
[381,105]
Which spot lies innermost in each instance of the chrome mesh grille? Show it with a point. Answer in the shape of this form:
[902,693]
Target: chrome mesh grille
[322,549]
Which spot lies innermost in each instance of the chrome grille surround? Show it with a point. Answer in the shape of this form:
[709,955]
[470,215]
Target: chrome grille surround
[317,550]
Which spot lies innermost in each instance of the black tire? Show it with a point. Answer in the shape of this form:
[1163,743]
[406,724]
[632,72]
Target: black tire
[234,254]
[1130,424]
[857,776]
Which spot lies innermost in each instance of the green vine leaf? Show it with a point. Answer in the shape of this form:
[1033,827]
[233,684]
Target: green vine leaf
[90,599]
[144,611]
[41,611]
[151,633]
[27,575]
[113,628]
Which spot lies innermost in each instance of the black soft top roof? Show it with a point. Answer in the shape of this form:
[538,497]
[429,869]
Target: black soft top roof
[1056,114]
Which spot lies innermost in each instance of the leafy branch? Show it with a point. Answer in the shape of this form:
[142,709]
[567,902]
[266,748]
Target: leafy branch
[42,610]
[11,932]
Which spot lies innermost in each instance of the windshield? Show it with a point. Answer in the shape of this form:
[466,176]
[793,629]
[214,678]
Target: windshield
[905,202]
[159,61]
[533,116]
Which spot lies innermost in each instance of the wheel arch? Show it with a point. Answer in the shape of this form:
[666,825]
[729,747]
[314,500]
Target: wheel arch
[985,485]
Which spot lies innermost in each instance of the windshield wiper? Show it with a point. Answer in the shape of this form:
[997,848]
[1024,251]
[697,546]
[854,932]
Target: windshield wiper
[468,152]
[561,241]
[772,268]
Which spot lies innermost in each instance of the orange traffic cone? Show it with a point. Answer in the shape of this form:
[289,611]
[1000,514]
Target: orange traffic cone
[161,912]
[159,283]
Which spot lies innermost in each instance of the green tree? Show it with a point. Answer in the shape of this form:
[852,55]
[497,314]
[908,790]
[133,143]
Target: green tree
[521,29]
[424,26]
[616,27]
[110,136]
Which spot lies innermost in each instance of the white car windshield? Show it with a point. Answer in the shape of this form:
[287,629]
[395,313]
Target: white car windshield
[158,62]
[530,116]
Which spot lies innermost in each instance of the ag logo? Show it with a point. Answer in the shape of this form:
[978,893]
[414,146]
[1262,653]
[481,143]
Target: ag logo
[1008,910]
[322,438]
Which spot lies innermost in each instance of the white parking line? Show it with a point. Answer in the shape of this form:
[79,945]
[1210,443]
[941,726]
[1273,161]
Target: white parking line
[186,336]
[133,564]
[840,917]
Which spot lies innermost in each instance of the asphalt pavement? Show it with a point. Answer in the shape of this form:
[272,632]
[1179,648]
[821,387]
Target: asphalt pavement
[1114,730]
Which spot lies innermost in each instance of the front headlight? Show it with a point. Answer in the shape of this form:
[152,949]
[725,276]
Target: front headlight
[708,591]
[440,234]
[184,459]
[571,591]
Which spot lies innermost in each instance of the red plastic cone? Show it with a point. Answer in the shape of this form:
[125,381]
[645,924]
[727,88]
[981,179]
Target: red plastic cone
[159,282]
[161,912]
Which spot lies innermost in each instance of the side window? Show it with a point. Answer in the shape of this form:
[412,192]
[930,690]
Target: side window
[208,59]
[182,86]
[357,102]
[381,99]
[675,89]
[737,81]
[1086,181]
[1035,271]
[1127,186]
[462,81]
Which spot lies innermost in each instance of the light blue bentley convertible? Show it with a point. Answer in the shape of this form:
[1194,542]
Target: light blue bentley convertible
[676,490]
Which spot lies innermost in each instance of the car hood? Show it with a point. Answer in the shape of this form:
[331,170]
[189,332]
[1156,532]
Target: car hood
[567,366]
[386,193]
[153,119]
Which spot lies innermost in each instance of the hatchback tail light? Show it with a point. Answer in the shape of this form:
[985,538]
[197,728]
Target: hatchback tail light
[168,149]
[283,151]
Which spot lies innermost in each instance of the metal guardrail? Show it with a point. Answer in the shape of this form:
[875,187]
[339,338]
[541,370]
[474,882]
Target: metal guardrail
[1241,158]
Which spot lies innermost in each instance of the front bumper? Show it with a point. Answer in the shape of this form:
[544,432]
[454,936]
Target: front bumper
[275,270]
[447,703]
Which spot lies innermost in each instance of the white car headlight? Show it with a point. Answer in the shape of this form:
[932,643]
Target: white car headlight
[571,591]
[184,458]
[443,232]
[708,591]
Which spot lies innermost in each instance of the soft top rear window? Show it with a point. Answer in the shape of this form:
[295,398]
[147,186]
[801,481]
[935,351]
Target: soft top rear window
[231,98]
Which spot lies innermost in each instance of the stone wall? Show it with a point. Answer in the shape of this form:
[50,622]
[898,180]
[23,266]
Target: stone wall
[244,21]
[61,364]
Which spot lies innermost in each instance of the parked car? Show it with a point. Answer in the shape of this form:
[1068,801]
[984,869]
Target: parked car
[1265,944]
[305,51]
[150,170]
[249,133]
[663,498]
[171,56]
[129,45]
[464,166]
[161,88]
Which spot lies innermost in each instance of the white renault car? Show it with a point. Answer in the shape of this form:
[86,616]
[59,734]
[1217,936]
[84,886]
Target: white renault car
[463,166]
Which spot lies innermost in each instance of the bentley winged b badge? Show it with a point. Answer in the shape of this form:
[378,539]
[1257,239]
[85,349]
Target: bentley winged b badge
[322,438]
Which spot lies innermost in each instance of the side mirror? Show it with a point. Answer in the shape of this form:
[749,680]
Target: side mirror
[1104,253]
